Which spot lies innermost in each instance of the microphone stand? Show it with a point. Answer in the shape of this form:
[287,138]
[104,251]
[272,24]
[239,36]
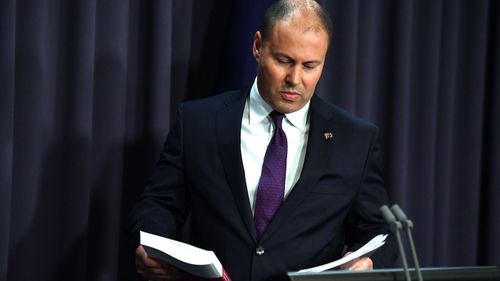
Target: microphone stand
[408,225]
[395,226]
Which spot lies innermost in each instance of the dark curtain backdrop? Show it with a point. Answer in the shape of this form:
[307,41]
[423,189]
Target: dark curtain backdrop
[88,90]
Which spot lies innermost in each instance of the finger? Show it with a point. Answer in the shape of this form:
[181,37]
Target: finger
[155,271]
[143,260]
[153,263]
[157,274]
[347,265]
[362,264]
[160,270]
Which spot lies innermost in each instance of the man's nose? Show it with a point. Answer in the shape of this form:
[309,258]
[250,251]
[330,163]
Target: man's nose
[293,76]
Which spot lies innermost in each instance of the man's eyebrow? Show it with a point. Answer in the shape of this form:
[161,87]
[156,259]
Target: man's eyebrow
[278,54]
[283,55]
[314,62]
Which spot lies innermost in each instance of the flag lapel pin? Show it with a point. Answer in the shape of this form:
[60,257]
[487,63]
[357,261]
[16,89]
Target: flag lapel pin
[328,135]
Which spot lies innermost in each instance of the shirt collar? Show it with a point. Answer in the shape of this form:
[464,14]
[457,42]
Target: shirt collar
[259,110]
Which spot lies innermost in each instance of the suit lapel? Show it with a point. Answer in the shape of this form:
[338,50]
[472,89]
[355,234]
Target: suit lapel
[229,136]
[318,152]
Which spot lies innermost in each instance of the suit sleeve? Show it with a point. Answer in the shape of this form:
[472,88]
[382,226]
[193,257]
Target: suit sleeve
[365,220]
[162,207]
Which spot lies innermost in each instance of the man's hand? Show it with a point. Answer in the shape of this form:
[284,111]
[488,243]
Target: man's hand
[358,264]
[153,269]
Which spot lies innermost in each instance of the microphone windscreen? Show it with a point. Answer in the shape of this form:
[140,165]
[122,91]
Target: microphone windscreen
[398,212]
[387,214]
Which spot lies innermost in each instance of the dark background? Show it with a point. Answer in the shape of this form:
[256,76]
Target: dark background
[88,90]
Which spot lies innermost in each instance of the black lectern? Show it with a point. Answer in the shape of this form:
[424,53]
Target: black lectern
[480,273]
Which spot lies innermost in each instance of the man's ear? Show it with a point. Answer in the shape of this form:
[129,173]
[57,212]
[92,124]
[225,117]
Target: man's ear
[257,45]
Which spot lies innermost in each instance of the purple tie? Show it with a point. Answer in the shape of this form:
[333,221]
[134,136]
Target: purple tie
[271,187]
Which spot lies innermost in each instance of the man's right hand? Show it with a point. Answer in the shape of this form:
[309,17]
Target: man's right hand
[153,269]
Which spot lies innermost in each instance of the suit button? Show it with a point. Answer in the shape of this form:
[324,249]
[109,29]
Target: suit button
[259,251]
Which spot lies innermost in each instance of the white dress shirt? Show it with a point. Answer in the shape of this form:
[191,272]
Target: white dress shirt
[257,129]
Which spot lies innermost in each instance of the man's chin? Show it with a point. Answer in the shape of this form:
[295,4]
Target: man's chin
[288,107]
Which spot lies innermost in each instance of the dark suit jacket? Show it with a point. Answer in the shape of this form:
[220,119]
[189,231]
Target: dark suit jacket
[335,204]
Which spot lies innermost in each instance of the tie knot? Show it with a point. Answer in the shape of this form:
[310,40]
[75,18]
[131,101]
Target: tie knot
[277,118]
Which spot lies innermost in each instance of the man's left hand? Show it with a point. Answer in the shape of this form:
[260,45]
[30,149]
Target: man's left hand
[358,264]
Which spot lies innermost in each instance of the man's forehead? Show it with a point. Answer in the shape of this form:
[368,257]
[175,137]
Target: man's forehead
[302,21]
[300,43]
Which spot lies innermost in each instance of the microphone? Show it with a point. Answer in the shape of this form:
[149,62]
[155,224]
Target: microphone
[395,226]
[408,225]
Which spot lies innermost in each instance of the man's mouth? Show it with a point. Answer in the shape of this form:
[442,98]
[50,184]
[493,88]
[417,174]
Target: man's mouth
[290,95]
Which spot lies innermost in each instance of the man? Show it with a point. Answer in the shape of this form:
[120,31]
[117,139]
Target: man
[215,169]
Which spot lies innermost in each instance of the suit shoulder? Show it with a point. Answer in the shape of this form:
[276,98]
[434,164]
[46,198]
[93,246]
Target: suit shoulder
[213,103]
[343,116]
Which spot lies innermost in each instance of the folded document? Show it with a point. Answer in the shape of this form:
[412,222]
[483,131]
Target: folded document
[191,259]
[364,251]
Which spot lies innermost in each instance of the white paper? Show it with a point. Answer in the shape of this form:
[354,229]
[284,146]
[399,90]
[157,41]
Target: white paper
[187,257]
[375,243]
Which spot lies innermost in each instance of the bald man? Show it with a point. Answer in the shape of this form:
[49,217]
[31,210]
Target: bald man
[325,189]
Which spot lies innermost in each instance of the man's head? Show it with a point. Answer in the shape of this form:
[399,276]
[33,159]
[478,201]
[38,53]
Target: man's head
[290,51]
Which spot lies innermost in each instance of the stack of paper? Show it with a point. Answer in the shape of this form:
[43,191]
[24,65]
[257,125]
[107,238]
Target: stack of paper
[364,251]
[191,259]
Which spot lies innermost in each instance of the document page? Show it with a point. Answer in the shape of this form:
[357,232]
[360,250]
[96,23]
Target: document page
[372,245]
[187,257]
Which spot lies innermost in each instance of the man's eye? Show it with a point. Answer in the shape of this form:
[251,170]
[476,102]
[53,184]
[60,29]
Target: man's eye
[310,65]
[283,61]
